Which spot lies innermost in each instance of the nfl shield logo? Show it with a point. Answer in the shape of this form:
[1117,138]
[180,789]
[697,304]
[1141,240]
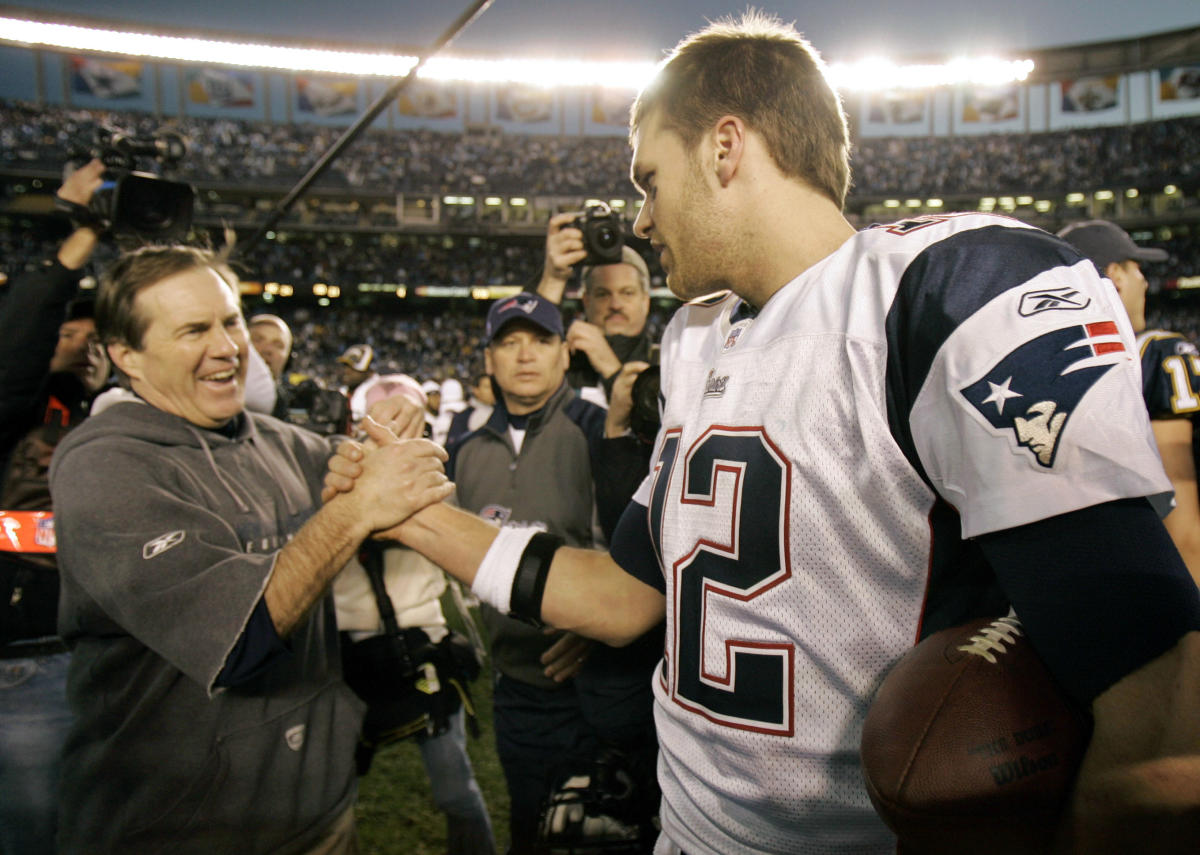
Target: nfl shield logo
[43,535]
[294,736]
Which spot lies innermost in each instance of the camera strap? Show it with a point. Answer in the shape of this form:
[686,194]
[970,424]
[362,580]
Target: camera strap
[372,562]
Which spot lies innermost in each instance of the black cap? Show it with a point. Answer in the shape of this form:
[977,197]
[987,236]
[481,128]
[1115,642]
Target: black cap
[1103,243]
[81,307]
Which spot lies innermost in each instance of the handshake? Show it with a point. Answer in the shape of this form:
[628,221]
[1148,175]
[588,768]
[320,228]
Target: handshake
[391,474]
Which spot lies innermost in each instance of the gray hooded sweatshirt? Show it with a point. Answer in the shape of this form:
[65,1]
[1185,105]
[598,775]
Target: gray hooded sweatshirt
[167,535]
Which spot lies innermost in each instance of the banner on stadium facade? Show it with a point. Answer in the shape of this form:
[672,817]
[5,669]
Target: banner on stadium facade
[896,108]
[106,78]
[428,100]
[326,97]
[987,104]
[1179,83]
[219,87]
[611,106]
[1090,94]
[526,104]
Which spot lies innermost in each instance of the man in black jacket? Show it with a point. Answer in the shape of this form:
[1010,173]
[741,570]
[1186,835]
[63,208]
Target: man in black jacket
[51,366]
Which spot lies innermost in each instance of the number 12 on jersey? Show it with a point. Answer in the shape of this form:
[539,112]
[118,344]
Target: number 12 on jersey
[731,493]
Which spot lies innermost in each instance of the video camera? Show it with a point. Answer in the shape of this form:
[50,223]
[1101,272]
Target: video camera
[140,204]
[603,234]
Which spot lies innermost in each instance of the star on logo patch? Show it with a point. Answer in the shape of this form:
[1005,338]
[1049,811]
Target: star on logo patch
[1045,379]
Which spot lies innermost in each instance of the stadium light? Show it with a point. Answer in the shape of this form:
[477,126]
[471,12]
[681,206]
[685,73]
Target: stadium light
[1170,190]
[891,203]
[1103,195]
[1131,193]
[865,75]
[870,75]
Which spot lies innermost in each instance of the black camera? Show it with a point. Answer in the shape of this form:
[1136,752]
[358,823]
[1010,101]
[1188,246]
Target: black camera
[603,234]
[136,203]
[644,419]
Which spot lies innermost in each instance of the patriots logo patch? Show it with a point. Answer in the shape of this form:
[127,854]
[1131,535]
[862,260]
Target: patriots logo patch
[495,514]
[1033,390]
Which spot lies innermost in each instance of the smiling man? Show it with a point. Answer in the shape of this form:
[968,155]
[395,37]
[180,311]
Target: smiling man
[210,715]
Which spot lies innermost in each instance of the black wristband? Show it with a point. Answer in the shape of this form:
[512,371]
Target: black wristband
[529,583]
[81,216]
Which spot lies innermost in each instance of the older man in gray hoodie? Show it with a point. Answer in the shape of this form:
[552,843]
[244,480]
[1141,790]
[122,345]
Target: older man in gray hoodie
[205,680]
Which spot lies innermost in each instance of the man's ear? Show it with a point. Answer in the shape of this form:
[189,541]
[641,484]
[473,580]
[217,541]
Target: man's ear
[729,138]
[128,360]
[1116,273]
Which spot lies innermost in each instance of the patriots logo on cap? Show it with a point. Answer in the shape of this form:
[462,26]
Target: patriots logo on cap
[525,304]
[1033,390]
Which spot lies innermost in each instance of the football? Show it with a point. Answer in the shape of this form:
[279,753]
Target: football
[970,746]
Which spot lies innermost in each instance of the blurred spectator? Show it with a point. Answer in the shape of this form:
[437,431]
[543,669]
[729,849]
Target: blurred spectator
[451,403]
[51,367]
[478,409]
[357,375]
[1170,373]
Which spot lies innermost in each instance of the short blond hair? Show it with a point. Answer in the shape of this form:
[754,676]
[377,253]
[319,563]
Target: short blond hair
[764,72]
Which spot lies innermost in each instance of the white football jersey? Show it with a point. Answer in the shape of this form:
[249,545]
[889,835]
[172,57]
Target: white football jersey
[960,362]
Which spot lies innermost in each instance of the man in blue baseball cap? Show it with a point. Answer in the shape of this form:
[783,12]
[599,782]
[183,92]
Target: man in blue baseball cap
[536,464]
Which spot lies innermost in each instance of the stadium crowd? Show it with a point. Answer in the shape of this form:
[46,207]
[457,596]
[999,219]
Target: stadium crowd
[230,151]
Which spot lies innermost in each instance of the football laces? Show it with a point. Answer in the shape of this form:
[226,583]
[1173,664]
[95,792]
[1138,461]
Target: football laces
[992,638]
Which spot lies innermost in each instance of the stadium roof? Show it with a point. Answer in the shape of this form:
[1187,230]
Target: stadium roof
[635,30]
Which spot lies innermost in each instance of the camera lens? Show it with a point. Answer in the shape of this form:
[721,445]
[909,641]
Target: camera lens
[606,237]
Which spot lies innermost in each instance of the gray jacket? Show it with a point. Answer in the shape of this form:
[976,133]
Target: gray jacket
[547,485]
[167,536]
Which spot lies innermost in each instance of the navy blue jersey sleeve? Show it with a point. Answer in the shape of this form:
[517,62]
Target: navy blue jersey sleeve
[257,647]
[633,549]
[1101,591]
[1170,375]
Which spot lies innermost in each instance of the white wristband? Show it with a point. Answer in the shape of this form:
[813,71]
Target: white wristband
[494,578]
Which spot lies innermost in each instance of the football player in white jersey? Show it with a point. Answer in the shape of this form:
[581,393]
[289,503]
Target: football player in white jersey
[870,437]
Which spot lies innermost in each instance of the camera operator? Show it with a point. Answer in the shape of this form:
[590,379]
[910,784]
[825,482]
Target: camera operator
[51,366]
[616,303]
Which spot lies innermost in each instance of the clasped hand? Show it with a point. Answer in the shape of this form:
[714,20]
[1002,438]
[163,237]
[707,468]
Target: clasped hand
[392,474]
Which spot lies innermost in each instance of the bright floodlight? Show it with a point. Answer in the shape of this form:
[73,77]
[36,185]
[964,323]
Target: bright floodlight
[871,74]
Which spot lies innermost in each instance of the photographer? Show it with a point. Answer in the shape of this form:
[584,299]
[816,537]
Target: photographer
[616,302]
[51,366]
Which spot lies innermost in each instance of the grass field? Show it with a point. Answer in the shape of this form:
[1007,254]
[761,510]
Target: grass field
[396,813]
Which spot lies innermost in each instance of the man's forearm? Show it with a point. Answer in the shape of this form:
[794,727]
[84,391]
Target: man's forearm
[586,592]
[78,248]
[552,288]
[305,567]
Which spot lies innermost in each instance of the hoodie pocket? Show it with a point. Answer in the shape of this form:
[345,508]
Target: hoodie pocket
[265,784]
